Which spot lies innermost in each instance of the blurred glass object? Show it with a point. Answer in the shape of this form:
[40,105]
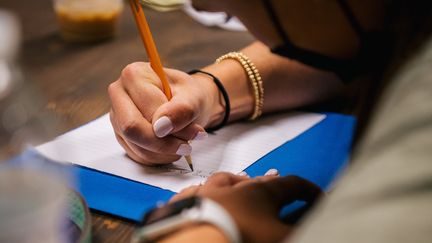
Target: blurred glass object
[32,207]
[87,20]
[23,121]
[32,196]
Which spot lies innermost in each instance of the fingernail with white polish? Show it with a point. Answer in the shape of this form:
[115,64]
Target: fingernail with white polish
[201,136]
[184,149]
[163,126]
[272,172]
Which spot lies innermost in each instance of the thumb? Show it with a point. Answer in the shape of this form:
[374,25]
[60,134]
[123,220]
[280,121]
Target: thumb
[174,116]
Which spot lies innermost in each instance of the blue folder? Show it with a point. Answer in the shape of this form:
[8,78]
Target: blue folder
[317,155]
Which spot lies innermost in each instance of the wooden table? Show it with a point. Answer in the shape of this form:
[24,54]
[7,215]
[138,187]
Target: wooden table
[73,78]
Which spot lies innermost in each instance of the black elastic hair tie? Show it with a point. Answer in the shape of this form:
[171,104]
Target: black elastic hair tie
[224,95]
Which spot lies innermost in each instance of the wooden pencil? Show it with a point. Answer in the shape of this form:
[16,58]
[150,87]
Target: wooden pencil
[152,52]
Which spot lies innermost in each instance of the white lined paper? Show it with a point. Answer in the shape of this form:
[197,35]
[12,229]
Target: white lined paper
[231,149]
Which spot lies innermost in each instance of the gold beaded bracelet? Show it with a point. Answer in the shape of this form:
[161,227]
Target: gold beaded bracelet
[254,77]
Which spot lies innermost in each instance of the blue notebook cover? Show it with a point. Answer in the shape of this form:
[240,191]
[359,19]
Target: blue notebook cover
[317,155]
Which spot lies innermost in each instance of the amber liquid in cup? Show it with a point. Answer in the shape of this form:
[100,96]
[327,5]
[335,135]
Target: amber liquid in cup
[87,20]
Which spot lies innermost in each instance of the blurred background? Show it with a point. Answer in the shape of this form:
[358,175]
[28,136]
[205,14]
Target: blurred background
[55,68]
[74,76]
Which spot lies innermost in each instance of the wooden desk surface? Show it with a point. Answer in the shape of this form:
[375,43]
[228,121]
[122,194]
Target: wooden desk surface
[74,77]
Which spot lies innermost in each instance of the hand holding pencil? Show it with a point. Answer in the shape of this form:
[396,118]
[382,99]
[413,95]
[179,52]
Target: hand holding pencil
[154,58]
[154,122]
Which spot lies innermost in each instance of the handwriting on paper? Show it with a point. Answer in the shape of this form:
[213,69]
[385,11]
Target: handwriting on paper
[231,149]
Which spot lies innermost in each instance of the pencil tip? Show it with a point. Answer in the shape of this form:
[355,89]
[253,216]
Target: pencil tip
[189,161]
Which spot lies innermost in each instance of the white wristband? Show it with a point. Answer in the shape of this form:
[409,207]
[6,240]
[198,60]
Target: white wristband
[215,214]
[196,210]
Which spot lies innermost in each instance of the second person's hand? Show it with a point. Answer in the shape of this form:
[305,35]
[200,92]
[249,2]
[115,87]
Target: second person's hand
[253,203]
[152,129]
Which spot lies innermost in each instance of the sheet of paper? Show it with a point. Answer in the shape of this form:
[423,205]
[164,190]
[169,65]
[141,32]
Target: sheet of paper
[231,149]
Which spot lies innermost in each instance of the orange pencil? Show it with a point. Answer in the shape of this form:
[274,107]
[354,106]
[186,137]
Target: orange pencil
[152,52]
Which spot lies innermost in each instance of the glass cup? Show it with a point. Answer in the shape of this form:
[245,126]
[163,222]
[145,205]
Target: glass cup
[32,206]
[87,20]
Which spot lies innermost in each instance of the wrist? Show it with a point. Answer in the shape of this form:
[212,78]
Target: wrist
[170,219]
[233,78]
[213,105]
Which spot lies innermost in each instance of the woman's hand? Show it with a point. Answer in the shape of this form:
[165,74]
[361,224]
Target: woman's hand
[152,129]
[255,203]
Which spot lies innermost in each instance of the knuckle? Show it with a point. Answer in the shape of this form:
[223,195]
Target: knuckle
[131,70]
[139,70]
